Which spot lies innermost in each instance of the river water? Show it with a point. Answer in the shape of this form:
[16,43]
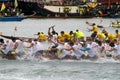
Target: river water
[102,69]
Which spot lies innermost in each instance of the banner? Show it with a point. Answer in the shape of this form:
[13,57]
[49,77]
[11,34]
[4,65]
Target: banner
[16,4]
[3,6]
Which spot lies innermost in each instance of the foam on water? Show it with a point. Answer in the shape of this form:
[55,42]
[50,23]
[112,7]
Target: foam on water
[58,70]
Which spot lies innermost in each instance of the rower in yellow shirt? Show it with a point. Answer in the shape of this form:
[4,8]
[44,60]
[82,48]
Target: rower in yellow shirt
[117,34]
[79,34]
[60,38]
[65,35]
[110,37]
[95,28]
[72,36]
[42,36]
[101,36]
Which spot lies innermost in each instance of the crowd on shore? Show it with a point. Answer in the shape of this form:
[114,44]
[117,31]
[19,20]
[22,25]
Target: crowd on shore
[64,45]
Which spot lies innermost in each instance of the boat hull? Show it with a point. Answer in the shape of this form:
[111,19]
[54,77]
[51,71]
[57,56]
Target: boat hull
[46,12]
[5,19]
[9,57]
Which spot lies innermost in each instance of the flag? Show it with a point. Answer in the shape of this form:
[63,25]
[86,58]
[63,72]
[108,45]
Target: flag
[16,3]
[15,28]
[3,6]
[0,33]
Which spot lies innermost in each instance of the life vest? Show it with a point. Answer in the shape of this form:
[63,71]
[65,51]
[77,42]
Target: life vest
[118,35]
[60,38]
[66,36]
[72,37]
[95,28]
[42,37]
[111,37]
[101,36]
[79,34]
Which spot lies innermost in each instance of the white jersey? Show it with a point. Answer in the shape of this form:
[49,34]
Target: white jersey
[99,50]
[63,52]
[10,45]
[4,48]
[94,46]
[77,52]
[27,47]
[37,46]
[54,38]
[20,47]
[90,50]
[117,50]
[66,46]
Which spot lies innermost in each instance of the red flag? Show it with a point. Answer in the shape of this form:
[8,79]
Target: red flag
[0,33]
[15,28]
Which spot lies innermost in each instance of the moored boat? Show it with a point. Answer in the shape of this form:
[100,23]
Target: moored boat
[9,11]
[11,18]
[116,25]
[69,8]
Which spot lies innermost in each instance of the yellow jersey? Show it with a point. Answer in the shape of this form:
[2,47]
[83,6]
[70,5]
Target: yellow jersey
[111,37]
[95,28]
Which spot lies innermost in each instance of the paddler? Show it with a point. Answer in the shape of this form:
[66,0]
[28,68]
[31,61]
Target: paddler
[72,36]
[94,30]
[65,35]
[101,36]
[110,36]
[42,36]
[79,35]
[117,34]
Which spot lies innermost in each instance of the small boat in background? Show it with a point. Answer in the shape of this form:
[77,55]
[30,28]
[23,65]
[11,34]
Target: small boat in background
[10,12]
[116,25]
[11,18]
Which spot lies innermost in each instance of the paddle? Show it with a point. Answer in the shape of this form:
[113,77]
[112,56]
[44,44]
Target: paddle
[91,24]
